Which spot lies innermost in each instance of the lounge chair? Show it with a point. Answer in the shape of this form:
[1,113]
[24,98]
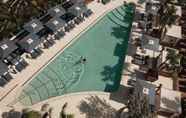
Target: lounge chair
[23,62]
[67,5]
[138,62]
[9,60]
[88,13]
[67,28]
[34,54]
[183,103]
[19,67]
[71,25]
[131,82]
[38,50]
[61,33]
[77,20]
[46,44]
[20,61]
[80,18]
[51,42]
[3,82]
[13,60]
[7,76]
[57,37]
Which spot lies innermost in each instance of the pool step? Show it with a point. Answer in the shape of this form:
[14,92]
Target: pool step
[116,17]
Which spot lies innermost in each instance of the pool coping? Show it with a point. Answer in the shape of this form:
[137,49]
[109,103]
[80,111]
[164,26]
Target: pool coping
[51,99]
[63,49]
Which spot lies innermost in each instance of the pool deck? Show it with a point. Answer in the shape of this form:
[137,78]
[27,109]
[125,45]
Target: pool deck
[129,72]
[8,93]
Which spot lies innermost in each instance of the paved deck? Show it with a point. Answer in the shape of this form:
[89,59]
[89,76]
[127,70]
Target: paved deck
[14,87]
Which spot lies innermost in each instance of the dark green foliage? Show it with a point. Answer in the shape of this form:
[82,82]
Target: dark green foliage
[138,107]
[32,114]
[14,13]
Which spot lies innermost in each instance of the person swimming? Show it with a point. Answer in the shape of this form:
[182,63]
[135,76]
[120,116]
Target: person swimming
[82,60]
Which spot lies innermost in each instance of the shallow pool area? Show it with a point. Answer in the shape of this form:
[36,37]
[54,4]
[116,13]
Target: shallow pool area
[103,46]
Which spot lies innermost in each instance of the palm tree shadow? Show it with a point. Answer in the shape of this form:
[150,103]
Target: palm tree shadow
[131,49]
[11,114]
[120,32]
[95,107]
[112,74]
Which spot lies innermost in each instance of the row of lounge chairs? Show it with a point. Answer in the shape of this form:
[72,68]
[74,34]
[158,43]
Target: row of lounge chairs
[13,63]
[5,76]
[17,61]
[182,74]
[183,18]
[183,103]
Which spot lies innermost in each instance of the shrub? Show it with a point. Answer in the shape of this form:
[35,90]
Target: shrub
[70,116]
[32,114]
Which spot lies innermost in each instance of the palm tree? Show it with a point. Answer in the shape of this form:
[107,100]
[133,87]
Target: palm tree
[46,111]
[14,13]
[138,107]
[32,114]
[52,3]
[22,8]
[8,21]
[42,4]
[167,17]
[182,2]
[63,113]
[172,62]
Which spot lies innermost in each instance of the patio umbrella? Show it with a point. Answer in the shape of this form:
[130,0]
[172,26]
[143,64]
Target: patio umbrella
[6,48]
[55,24]
[56,11]
[29,42]
[77,9]
[33,26]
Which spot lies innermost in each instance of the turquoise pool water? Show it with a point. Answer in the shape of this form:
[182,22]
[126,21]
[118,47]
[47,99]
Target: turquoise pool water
[104,46]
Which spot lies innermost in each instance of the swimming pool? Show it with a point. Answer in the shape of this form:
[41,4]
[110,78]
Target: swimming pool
[104,46]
